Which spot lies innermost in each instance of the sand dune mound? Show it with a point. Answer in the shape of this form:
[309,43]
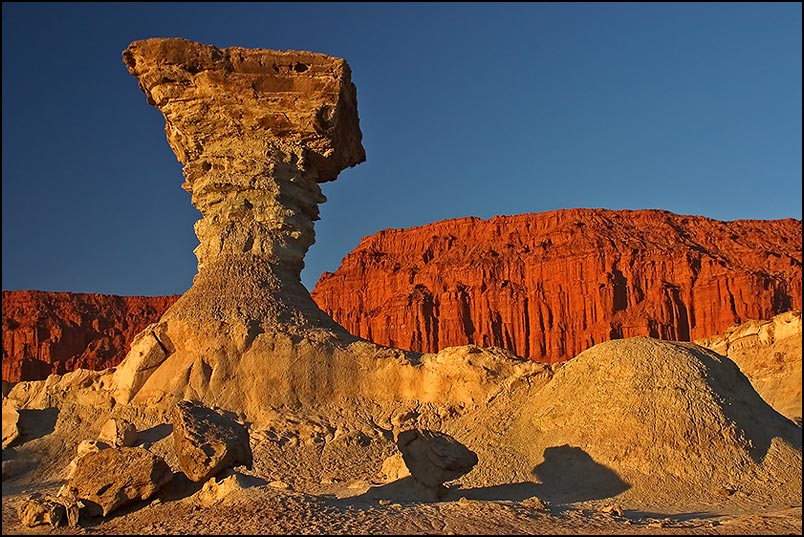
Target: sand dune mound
[651,410]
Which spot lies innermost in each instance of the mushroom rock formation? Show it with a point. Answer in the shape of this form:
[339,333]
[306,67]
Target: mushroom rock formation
[257,130]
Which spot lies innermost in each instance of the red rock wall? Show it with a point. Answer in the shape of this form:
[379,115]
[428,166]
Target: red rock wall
[46,333]
[548,286]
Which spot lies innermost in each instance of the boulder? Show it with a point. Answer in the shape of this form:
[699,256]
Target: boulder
[207,442]
[114,477]
[36,509]
[434,458]
[118,433]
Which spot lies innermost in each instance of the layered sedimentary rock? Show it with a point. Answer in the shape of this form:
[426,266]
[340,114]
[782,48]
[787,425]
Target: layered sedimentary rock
[256,131]
[548,286]
[46,333]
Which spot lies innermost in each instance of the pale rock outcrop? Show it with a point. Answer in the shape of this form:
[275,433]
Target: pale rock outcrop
[207,442]
[216,490]
[433,457]
[11,418]
[640,412]
[114,477]
[769,354]
[118,432]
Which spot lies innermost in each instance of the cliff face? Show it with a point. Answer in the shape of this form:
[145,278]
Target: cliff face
[46,333]
[548,286]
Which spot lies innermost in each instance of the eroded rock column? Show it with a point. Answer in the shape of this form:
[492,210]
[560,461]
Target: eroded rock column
[257,131]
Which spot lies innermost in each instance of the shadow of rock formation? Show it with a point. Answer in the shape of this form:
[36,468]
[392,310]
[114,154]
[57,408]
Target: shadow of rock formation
[154,434]
[568,474]
[36,423]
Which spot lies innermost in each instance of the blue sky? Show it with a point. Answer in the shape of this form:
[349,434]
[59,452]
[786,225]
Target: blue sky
[467,109]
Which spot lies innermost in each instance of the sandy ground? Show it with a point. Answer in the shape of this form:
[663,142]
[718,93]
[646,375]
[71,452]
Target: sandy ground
[335,486]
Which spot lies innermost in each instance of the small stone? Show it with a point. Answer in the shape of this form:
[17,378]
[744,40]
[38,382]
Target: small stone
[726,491]
[385,502]
[279,485]
[536,503]
[118,433]
[613,510]
[214,491]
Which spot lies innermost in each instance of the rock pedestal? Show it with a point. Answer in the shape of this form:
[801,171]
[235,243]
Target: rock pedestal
[257,131]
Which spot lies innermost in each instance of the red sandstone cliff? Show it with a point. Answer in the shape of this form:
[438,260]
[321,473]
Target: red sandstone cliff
[46,333]
[548,286]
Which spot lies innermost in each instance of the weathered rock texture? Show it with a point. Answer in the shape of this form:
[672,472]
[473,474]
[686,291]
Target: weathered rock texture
[769,354]
[433,457]
[207,442]
[548,286]
[115,477]
[256,131]
[46,333]
[36,509]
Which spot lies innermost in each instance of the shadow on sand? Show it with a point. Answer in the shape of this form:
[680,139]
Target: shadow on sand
[154,434]
[567,475]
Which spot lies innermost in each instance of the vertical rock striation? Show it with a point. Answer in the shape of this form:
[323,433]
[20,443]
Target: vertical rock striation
[548,286]
[45,333]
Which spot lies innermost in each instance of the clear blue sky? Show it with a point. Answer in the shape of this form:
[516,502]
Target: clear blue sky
[467,109]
